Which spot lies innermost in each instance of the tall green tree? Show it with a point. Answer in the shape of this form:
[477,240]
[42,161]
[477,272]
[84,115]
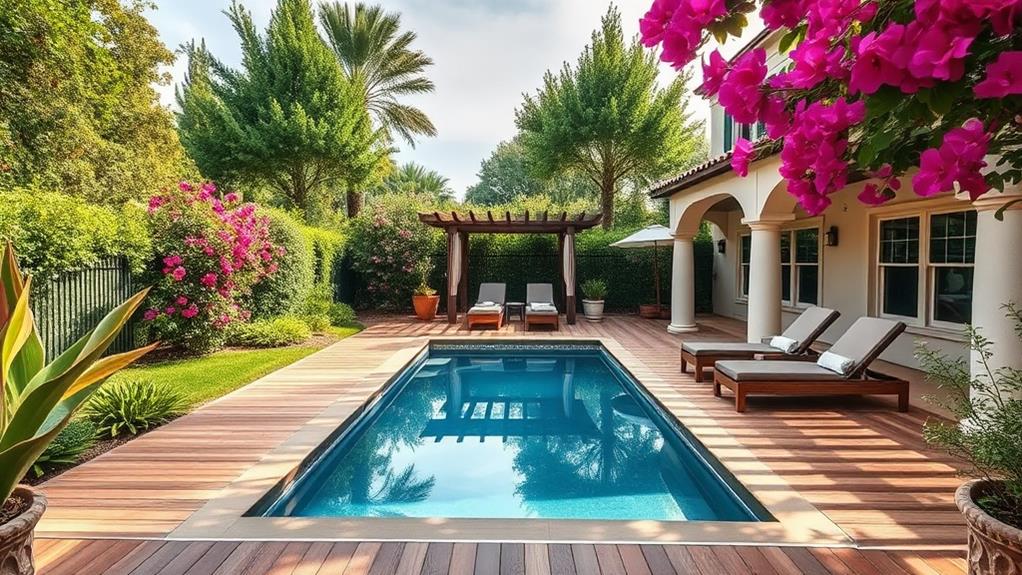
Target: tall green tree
[412,178]
[607,118]
[505,176]
[375,52]
[78,110]
[289,119]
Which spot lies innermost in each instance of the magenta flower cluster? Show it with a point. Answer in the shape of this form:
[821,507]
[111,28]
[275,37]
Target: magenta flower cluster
[213,251]
[858,52]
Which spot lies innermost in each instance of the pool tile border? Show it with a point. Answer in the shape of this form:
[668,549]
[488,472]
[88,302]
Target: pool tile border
[222,518]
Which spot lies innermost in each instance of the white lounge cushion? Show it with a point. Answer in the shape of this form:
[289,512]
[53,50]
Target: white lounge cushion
[837,363]
[487,309]
[542,306]
[785,344]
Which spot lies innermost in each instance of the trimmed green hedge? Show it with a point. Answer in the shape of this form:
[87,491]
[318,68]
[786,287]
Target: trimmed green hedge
[53,233]
[310,259]
[521,259]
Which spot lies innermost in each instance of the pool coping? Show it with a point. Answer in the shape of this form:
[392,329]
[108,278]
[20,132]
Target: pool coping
[798,522]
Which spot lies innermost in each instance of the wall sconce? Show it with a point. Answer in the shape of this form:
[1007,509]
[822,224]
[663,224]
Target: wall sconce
[722,246]
[831,236]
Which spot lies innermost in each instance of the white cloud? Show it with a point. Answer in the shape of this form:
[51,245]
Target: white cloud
[487,54]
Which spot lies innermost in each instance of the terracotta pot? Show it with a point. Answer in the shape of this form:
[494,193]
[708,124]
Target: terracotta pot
[17,534]
[665,312]
[649,311]
[426,306]
[995,548]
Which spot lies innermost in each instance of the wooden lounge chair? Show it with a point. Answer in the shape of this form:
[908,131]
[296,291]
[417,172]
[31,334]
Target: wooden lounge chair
[804,330]
[539,306]
[489,308]
[859,346]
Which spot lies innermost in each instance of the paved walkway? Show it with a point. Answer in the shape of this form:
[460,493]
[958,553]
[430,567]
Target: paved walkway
[857,460]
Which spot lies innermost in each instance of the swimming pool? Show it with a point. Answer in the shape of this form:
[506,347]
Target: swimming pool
[508,431]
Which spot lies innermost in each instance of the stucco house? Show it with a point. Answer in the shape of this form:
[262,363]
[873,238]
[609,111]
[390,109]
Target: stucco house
[935,263]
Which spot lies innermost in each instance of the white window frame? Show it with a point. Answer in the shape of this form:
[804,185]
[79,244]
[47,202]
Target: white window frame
[793,229]
[927,271]
[740,284]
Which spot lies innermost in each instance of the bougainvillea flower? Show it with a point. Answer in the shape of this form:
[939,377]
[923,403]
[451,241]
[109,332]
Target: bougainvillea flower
[741,156]
[940,54]
[179,273]
[1003,77]
[782,13]
[653,24]
[740,93]
[713,74]
[876,61]
[776,117]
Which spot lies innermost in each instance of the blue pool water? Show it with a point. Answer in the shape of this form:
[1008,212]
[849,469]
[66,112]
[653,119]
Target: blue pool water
[515,431]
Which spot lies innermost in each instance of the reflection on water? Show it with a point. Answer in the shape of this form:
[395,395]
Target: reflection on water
[502,436]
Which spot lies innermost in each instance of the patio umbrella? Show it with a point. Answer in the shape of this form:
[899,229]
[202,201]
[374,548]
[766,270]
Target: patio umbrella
[652,236]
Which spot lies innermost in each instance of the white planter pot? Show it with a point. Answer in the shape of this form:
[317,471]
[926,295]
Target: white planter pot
[593,309]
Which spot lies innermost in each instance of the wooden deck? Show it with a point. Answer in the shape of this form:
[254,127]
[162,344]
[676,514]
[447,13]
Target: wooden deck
[861,463]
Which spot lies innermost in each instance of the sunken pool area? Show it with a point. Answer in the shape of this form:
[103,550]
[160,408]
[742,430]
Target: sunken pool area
[512,430]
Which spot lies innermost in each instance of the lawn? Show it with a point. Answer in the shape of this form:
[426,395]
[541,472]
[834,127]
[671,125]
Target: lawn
[206,378]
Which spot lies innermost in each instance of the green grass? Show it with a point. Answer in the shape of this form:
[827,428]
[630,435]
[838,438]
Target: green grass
[203,379]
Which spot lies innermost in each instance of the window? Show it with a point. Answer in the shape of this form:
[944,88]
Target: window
[734,130]
[746,260]
[786,267]
[807,265]
[926,267]
[952,256]
[800,267]
[899,267]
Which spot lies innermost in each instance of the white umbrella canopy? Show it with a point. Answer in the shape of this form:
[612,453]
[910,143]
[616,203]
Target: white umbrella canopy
[648,237]
[652,236]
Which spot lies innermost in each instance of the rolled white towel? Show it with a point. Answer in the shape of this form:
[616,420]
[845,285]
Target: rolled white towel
[836,363]
[785,344]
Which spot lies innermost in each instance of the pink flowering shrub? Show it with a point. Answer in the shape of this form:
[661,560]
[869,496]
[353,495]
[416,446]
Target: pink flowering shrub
[872,89]
[211,252]
[389,249]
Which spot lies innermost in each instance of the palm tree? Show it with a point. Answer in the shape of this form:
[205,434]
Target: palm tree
[412,178]
[373,50]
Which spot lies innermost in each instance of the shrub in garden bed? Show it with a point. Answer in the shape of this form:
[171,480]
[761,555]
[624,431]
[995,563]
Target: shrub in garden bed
[77,437]
[276,332]
[133,406]
[213,251]
[284,291]
[387,245]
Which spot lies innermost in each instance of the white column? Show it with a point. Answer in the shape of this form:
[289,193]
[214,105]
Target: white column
[683,287]
[765,278]
[997,280]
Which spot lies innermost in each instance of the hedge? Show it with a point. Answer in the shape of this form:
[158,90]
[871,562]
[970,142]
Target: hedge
[53,233]
[521,259]
[310,259]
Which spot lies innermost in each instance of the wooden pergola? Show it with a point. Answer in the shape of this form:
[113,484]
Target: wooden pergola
[459,226]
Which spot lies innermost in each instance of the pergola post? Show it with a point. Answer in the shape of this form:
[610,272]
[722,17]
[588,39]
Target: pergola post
[463,282]
[452,283]
[568,265]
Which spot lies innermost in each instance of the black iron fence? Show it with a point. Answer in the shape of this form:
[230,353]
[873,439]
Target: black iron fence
[71,304]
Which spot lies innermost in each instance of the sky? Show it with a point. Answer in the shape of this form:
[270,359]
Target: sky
[487,53]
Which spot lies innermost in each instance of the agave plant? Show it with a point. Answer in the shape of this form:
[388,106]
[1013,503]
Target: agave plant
[39,398]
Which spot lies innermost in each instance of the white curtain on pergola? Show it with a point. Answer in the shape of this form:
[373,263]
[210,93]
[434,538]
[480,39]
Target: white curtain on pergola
[454,254]
[569,264]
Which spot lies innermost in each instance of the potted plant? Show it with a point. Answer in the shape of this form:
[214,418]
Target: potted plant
[425,299]
[595,293]
[987,435]
[38,399]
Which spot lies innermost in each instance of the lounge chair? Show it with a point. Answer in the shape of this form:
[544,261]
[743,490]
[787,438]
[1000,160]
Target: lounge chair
[539,306]
[489,308]
[841,370]
[802,333]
